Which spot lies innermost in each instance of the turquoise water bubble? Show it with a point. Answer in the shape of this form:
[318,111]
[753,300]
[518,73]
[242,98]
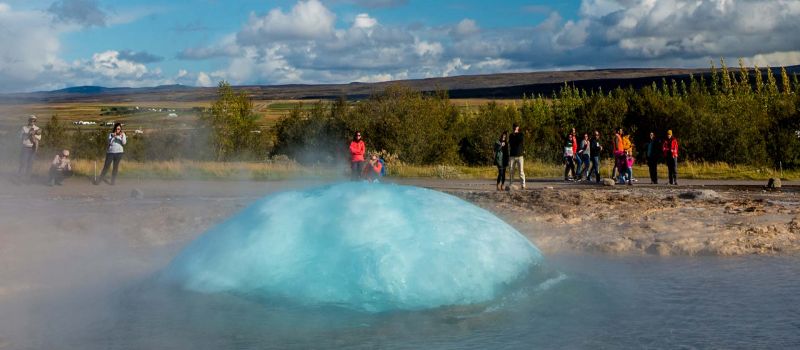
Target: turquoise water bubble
[368,247]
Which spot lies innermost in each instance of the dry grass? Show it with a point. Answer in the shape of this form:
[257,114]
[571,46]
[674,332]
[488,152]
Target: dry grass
[265,171]
[261,171]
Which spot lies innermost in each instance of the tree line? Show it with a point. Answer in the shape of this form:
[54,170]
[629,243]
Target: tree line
[744,116]
[738,116]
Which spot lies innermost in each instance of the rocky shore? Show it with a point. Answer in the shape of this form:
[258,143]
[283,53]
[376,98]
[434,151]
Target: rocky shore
[650,220]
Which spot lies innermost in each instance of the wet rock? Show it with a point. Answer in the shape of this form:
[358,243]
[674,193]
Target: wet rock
[608,182]
[699,195]
[137,194]
[659,248]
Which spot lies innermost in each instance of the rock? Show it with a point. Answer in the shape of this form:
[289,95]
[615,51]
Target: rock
[137,193]
[774,184]
[608,182]
[659,248]
[702,195]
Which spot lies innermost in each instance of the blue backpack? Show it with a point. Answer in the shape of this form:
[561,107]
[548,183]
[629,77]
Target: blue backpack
[383,167]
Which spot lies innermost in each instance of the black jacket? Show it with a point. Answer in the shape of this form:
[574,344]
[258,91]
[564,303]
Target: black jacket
[502,152]
[515,144]
[594,147]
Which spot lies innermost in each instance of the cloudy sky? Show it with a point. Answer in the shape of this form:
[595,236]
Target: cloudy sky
[47,44]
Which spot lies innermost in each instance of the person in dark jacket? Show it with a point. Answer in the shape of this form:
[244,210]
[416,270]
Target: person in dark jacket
[594,149]
[515,149]
[653,155]
[501,159]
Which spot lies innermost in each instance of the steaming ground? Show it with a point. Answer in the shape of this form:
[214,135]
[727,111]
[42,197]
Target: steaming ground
[65,251]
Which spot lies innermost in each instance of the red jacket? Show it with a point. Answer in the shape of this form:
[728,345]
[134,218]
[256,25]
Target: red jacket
[372,171]
[670,148]
[357,150]
[574,145]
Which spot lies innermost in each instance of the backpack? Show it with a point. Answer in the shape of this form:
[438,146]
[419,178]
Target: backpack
[383,167]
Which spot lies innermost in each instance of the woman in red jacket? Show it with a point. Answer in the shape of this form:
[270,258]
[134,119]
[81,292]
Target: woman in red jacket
[357,150]
[671,156]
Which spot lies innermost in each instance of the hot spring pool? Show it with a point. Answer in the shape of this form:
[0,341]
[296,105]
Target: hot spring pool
[601,302]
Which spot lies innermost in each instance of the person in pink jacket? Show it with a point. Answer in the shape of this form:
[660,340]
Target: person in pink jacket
[357,151]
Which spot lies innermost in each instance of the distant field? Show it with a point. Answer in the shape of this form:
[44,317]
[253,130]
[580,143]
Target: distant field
[269,111]
[14,115]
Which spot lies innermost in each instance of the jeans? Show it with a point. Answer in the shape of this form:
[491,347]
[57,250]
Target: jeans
[583,171]
[653,166]
[355,170]
[672,168]
[111,158]
[501,175]
[595,169]
[625,175]
[569,167]
[578,166]
[56,176]
[518,162]
[26,158]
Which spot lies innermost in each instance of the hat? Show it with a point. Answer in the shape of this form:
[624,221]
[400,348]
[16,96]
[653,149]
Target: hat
[669,132]
[31,117]
[65,153]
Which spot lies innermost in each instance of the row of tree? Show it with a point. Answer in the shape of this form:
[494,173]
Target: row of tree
[748,116]
[744,116]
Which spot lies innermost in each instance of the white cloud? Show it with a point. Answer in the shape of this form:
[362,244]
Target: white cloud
[203,80]
[29,46]
[465,28]
[775,59]
[108,64]
[307,20]
[364,21]
[424,48]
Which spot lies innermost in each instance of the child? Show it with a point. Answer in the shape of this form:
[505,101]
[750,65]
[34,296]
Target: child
[625,166]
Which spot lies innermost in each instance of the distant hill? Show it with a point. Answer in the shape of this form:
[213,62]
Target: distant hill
[504,85]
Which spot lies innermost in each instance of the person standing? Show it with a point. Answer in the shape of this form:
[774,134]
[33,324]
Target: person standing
[60,168]
[569,156]
[652,154]
[501,158]
[30,136]
[357,150]
[585,154]
[670,149]
[515,150]
[576,158]
[594,149]
[114,152]
[619,151]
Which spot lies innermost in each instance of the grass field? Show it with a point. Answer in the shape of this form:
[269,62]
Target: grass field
[14,115]
[266,171]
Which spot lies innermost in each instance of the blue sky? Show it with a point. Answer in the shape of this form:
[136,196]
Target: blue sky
[50,44]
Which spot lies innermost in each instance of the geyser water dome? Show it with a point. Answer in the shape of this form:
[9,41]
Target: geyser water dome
[361,246]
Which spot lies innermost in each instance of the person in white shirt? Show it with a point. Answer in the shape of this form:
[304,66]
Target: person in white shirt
[60,168]
[30,136]
[116,139]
